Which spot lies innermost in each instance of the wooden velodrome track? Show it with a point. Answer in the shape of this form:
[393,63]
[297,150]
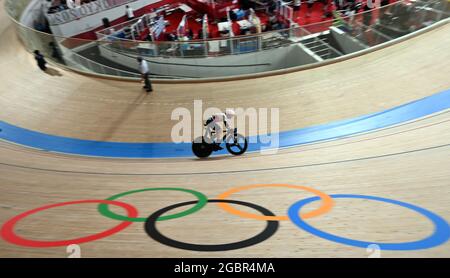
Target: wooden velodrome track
[408,162]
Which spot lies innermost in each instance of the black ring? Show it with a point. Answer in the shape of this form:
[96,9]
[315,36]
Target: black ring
[150,229]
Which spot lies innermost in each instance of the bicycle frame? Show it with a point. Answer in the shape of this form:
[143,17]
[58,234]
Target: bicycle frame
[209,132]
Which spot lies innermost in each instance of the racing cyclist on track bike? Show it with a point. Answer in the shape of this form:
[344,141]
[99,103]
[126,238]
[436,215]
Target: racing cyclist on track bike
[214,128]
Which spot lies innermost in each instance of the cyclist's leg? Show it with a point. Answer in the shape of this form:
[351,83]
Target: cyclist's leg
[217,137]
[209,136]
[219,133]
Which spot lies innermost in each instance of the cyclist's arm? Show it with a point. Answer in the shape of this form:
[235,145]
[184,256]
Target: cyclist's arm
[226,123]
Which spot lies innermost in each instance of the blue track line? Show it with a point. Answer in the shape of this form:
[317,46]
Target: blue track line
[407,112]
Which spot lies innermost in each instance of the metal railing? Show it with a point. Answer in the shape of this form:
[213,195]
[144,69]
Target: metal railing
[385,23]
[96,67]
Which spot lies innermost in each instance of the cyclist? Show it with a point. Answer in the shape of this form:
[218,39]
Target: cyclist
[212,124]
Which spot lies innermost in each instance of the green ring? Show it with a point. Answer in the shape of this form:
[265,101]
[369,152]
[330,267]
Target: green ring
[202,201]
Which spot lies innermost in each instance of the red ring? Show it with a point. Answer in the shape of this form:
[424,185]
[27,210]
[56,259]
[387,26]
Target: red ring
[8,234]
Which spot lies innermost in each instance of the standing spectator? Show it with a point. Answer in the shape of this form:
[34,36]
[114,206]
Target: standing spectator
[70,4]
[327,8]
[173,37]
[272,6]
[40,60]
[382,9]
[310,6]
[55,52]
[143,68]
[129,12]
[273,21]
[190,34]
[350,11]
[297,4]
[367,15]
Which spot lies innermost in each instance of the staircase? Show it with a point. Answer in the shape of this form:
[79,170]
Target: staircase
[320,46]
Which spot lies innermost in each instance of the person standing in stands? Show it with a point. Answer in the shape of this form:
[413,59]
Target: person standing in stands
[367,15]
[70,4]
[190,34]
[297,4]
[382,9]
[145,72]
[326,12]
[310,6]
[129,12]
[56,54]
[40,60]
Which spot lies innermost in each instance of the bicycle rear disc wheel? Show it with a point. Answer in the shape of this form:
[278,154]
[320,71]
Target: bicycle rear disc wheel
[201,149]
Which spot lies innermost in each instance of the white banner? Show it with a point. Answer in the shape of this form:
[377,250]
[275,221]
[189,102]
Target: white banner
[159,27]
[205,26]
[84,10]
[181,30]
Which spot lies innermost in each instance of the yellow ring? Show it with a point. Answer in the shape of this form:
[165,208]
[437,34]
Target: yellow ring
[327,202]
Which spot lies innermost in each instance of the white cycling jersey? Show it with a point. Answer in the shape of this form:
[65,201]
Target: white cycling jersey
[219,117]
[214,124]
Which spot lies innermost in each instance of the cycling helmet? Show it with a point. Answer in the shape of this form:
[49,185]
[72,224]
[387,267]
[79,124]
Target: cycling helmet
[230,113]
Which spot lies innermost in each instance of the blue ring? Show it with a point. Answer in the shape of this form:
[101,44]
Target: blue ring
[440,235]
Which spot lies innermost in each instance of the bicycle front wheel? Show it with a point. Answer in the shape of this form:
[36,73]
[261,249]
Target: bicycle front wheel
[237,144]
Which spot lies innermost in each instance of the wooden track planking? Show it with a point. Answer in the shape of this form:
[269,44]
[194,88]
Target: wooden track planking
[408,162]
[98,109]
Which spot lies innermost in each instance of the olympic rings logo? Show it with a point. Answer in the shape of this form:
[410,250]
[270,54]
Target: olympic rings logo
[439,236]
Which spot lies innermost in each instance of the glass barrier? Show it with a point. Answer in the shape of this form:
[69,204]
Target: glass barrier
[368,28]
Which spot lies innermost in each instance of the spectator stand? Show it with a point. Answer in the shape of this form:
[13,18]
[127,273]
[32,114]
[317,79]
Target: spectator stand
[186,43]
[215,9]
[284,12]
[226,31]
[132,34]
[253,43]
